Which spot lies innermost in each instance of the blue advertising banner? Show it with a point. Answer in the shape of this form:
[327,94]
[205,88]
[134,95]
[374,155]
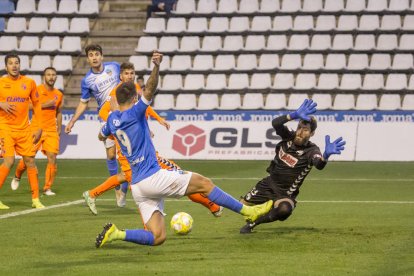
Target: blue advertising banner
[268,115]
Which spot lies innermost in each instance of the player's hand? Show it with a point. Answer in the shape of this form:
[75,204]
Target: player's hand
[165,124]
[307,108]
[336,147]
[36,135]
[68,127]
[156,58]
[8,108]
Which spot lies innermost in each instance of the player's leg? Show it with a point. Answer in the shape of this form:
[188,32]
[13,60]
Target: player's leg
[7,152]
[50,147]
[51,170]
[201,184]
[281,210]
[5,167]
[111,162]
[33,180]
[202,199]
[110,183]
[122,190]
[20,169]
[153,217]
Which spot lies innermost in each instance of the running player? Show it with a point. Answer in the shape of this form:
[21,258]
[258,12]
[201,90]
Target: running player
[295,157]
[51,102]
[151,184]
[16,136]
[128,74]
[98,83]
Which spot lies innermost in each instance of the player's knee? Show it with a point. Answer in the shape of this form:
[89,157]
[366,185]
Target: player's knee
[160,238]
[284,210]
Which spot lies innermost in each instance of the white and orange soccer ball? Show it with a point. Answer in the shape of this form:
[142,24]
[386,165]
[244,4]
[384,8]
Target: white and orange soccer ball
[182,223]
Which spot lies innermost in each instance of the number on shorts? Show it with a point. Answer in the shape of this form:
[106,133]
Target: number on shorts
[123,138]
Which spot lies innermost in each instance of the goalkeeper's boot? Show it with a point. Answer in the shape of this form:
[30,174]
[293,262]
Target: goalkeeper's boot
[37,204]
[90,201]
[15,183]
[3,206]
[252,213]
[248,228]
[120,198]
[219,212]
[110,233]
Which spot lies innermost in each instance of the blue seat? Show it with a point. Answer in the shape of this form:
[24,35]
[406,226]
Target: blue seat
[6,7]
[2,24]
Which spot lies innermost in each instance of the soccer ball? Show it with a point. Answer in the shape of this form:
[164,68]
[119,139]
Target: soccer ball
[181,223]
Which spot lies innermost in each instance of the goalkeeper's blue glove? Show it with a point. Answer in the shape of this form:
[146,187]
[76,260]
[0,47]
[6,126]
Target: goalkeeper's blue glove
[307,108]
[333,148]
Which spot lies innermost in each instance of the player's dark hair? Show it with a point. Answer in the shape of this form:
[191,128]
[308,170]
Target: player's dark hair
[126,92]
[93,47]
[49,68]
[127,66]
[9,56]
[313,123]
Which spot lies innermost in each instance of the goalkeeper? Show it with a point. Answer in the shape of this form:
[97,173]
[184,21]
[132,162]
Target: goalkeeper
[295,157]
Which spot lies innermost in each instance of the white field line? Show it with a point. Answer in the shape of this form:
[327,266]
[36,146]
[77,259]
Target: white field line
[260,177]
[24,212]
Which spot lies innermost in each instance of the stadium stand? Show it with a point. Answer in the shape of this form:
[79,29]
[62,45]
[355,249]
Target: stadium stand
[45,33]
[356,51]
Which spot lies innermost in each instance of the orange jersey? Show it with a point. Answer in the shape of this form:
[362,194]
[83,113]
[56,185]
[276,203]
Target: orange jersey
[106,107]
[19,93]
[48,113]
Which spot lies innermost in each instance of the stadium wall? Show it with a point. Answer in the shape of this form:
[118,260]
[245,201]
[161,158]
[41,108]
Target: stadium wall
[370,136]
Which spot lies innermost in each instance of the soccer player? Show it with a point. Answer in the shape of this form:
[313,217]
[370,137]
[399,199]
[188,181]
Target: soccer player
[128,74]
[98,83]
[51,102]
[151,184]
[295,157]
[16,136]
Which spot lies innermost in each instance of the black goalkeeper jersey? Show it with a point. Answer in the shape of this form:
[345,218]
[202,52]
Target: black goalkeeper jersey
[292,163]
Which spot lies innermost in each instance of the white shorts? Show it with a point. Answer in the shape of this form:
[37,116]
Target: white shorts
[109,143]
[149,193]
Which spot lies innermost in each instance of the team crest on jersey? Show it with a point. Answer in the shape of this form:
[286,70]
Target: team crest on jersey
[116,123]
[287,158]
[300,152]
[24,86]
[109,72]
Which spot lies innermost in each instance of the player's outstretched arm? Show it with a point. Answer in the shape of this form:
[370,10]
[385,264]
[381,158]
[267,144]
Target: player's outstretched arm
[82,106]
[307,108]
[152,82]
[336,147]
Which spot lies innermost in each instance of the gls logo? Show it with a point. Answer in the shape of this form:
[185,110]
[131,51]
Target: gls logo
[191,139]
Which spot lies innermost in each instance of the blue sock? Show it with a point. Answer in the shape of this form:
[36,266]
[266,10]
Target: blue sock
[221,198]
[124,187]
[112,166]
[140,236]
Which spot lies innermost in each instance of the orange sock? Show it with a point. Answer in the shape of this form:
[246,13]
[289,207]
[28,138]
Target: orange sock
[4,172]
[203,200]
[110,183]
[33,181]
[51,170]
[21,167]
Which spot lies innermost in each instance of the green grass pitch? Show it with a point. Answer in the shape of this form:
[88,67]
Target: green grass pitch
[351,219]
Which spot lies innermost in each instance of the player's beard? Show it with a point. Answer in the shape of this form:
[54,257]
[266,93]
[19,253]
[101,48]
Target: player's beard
[300,141]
